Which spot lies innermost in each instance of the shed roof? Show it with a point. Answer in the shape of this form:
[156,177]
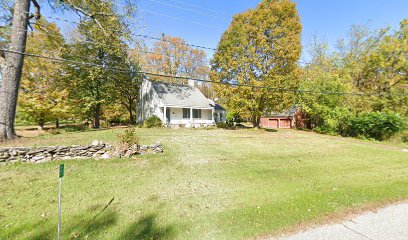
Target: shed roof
[172,94]
[287,113]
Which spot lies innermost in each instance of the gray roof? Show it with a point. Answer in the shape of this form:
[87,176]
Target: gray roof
[287,113]
[180,95]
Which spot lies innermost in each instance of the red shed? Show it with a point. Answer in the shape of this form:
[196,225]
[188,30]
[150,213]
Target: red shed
[279,120]
[276,122]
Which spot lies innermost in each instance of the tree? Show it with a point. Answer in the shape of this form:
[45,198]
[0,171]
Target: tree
[91,86]
[125,87]
[386,71]
[39,100]
[370,61]
[261,47]
[11,59]
[11,65]
[171,56]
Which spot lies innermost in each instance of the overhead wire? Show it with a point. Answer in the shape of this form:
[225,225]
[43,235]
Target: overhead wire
[198,7]
[180,77]
[78,39]
[180,19]
[140,35]
[196,79]
[186,9]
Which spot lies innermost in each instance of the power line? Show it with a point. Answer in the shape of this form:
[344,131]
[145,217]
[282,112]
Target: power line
[186,9]
[180,19]
[147,37]
[198,7]
[182,43]
[196,79]
[78,39]
[140,35]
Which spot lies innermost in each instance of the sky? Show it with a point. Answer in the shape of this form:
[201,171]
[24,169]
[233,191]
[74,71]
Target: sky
[202,22]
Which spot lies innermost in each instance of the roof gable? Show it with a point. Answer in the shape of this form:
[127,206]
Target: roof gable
[171,94]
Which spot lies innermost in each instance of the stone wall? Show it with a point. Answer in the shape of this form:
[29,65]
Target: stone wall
[97,150]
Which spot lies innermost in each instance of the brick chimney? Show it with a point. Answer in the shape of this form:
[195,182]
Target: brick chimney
[191,83]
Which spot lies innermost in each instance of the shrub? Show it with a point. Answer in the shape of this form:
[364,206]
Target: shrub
[373,125]
[404,137]
[54,131]
[153,121]
[232,117]
[129,137]
[74,128]
[222,125]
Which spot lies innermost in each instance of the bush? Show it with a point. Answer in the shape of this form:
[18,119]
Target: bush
[373,125]
[153,121]
[404,137]
[54,131]
[222,125]
[232,117]
[129,137]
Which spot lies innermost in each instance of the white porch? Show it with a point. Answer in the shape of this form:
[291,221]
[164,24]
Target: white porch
[188,116]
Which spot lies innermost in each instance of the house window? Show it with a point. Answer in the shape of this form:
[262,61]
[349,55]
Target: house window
[186,113]
[196,113]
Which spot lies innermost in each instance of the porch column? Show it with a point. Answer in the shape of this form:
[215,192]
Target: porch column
[165,115]
[212,115]
[191,116]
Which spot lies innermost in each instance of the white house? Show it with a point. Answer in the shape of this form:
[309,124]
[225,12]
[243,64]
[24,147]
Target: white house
[177,104]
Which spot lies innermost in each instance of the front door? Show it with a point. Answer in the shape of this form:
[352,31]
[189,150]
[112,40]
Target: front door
[168,115]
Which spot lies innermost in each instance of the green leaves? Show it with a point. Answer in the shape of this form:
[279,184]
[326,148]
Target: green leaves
[375,125]
[40,99]
[92,88]
[261,47]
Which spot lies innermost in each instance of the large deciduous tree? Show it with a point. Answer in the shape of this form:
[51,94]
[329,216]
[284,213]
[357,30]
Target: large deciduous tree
[40,99]
[11,64]
[125,87]
[91,86]
[261,47]
[11,59]
[171,56]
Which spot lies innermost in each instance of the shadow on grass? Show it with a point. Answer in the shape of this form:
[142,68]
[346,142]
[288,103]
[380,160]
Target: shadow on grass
[147,228]
[97,221]
[270,130]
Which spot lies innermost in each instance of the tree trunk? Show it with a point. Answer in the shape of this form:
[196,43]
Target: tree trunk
[57,125]
[131,115]
[12,66]
[41,124]
[255,121]
[97,116]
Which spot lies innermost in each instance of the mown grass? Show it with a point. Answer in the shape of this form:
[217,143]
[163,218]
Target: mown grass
[209,184]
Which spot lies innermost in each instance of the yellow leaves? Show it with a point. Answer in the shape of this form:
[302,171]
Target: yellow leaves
[173,57]
[260,45]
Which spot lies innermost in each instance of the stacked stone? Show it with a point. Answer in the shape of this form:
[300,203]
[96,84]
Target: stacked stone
[155,148]
[97,150]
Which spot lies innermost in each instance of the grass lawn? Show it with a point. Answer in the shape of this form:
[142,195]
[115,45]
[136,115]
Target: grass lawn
[209,184]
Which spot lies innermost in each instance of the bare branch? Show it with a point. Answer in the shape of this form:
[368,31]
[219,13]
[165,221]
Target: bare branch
[31,27]
[92,16]
[37,9]
[103,14]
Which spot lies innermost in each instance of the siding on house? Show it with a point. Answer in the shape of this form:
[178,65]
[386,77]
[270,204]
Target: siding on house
[148,104]
[166,101]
